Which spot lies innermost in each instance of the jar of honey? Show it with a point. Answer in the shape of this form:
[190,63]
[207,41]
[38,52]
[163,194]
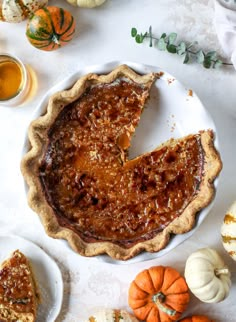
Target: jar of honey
[14,80]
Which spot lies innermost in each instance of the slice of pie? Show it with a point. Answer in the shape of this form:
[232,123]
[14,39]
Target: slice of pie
[19,296]
[85,188]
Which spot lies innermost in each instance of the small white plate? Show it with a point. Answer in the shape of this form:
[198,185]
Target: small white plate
[173,111]
[46,271]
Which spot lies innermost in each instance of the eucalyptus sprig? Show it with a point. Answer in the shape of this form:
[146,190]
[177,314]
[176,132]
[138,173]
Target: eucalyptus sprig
[169,43]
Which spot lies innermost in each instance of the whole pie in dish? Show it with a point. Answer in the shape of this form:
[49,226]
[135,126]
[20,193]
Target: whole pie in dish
[19,296]
[87,191]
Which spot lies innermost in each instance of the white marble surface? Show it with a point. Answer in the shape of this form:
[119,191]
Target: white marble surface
[103,35]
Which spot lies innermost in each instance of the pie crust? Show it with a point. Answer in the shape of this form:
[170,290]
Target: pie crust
[85,189]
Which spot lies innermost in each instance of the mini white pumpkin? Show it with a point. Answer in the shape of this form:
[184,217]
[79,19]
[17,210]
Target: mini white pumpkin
[86,3]
[17,11]
[207,276]
[112,315]
[228,231]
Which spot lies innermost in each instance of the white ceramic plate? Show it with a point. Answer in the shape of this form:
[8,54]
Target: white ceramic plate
[173,111]
[46,271]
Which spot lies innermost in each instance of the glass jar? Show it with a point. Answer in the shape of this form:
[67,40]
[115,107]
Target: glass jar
[14,80]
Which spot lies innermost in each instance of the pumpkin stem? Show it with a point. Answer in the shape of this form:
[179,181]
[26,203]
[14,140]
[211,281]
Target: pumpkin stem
[220,271]
[55,39]
[158,299]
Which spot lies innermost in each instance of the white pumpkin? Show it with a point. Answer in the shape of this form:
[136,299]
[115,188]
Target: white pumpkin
[86,3]
[228,231]
[207,276]
[17,11]
[110,315]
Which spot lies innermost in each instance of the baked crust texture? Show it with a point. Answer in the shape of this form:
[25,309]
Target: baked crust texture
[30,167]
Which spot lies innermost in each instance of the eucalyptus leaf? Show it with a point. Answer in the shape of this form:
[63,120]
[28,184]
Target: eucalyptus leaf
[172,38]
[218,63]
[171,48]
[181,48]
[139,39]
[207,62]
[163,35]
[192,44]
[212,55]
[161,45]
[182,45]
[186,58]
[200,56]
[134,32]
[150,36]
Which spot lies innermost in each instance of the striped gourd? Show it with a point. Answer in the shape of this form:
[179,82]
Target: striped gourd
[18,10]
[110,315]
[228,231]
[50,28]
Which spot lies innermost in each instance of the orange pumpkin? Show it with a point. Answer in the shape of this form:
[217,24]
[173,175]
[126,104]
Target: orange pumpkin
[196,318]
[158,294]
[50,28]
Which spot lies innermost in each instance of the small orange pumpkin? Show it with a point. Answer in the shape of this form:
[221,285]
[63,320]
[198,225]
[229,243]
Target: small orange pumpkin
[50,28]
[196,318]
[158,294]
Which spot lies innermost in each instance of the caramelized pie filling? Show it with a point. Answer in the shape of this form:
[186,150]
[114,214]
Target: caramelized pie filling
[92,186]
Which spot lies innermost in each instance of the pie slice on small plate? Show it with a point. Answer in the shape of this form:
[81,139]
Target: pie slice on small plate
[30,282]
[19,296]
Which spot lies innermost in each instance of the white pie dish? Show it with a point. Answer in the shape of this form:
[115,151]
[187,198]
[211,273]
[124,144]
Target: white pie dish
[173,111]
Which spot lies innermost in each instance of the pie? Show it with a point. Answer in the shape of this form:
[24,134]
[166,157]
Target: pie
[19,296]
[87,191]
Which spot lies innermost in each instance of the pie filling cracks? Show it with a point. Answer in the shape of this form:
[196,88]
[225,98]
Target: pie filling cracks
[82,176]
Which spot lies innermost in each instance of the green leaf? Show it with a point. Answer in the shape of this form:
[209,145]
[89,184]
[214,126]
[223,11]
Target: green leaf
[181,48]
[161,45]
[171,48]
[192,44]
[134,32]
[217,64]
[200,56]
[163,35]
[207,62]
[182,45]
[138,39]
[186,58]
[150,35]
[212,55]
[171,38]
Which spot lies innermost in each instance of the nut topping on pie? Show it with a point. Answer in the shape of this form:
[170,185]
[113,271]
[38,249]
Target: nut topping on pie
[86,189]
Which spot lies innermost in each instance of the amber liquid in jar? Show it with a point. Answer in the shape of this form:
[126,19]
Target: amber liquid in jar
[10,79]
